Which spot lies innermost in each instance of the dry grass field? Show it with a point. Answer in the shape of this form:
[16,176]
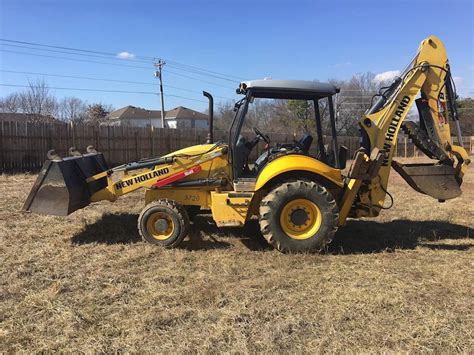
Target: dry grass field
[402,282]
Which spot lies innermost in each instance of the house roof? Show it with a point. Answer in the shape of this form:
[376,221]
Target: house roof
[25,117]
[132,112]
[181,112]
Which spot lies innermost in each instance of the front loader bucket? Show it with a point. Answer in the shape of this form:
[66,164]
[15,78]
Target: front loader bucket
[436,180]
[61,187]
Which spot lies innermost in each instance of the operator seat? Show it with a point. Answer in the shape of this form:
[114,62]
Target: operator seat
[241,154]
[305,143]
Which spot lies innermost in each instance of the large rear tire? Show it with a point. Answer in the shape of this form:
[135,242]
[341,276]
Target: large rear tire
[164,223]
[299,216]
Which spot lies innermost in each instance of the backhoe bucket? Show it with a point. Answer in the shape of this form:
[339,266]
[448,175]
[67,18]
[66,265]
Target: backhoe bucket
[436,180]
[61,187]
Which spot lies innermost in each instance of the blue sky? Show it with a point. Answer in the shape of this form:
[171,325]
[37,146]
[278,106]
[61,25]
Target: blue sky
[244,39]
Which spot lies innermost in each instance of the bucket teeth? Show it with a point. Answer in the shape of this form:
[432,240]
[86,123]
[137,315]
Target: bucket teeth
[91,149]
[74,153]
[52,155]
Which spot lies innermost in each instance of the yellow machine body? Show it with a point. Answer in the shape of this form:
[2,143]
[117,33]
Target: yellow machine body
[202,176]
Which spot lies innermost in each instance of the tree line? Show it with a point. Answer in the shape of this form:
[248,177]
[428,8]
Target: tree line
[40,104]
[297,116]
[294,116]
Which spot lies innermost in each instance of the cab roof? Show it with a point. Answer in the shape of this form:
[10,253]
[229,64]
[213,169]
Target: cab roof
[287,89]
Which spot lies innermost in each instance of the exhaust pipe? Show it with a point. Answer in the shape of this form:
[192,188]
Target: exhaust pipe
[210,135]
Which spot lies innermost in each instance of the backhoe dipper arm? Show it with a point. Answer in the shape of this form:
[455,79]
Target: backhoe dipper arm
[428,75]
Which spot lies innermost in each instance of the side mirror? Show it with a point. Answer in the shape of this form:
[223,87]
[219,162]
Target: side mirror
[343,151]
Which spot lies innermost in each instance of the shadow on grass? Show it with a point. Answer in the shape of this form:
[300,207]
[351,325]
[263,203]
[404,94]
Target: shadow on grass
[358,236]
[122,229]
[362,236]
[110,229]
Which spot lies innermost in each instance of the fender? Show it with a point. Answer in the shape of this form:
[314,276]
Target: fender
[295,162]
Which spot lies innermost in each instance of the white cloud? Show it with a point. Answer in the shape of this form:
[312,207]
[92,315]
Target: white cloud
[387,76]
[125,55]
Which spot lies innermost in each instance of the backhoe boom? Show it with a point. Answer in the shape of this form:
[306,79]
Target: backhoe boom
[429,77]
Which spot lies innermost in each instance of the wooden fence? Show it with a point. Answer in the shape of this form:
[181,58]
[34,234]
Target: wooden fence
[23,145]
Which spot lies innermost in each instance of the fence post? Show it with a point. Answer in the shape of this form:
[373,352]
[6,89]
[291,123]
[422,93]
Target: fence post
[405,150]
[50,138]
[96,134]
[108,146]
[137,154]
[152,140]
[2,159]
[73,134]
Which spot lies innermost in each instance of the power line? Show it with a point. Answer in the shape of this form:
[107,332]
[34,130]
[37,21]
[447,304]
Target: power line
[198,72]
[149,58]
[81,54]
[115,58]
[108,80]
[102,90]
[193,78]
[146,60]
[130,92]
[75,59]
[58,47]
[114,64]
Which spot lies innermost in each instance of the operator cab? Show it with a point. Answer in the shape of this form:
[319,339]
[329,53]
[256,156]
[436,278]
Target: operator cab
[313,94]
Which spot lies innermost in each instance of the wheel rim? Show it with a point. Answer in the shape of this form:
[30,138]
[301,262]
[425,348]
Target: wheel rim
[300,219]
[160,226]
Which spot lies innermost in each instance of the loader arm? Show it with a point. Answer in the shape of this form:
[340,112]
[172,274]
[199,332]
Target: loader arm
[170,170]
[66,185]
[428,77]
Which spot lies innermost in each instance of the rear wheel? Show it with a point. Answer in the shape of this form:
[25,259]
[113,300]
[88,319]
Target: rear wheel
[298,216]
[163,222]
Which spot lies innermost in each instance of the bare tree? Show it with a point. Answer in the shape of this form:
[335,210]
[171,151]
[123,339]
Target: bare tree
[298,116]
[10,103]
[72,109]
[224,115]
[353,100]
[38,101]
[98,112]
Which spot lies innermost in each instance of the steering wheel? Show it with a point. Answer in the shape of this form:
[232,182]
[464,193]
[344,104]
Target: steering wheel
[265,138]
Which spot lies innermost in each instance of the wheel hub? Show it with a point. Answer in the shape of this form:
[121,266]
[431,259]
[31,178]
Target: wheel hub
[299,217]
[161,225]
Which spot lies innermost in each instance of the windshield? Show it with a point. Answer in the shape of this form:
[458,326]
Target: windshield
[239,108]
[282,120]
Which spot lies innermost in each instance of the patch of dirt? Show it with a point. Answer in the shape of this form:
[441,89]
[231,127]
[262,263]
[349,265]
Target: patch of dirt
[400,282]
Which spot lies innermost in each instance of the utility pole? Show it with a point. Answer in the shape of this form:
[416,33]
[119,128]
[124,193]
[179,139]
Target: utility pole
[159,65]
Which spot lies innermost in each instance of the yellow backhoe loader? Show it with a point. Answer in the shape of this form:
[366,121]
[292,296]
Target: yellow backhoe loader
[299,198]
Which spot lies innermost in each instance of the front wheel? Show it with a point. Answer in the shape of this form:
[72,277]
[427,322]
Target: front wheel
[298,216]
[164,223]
